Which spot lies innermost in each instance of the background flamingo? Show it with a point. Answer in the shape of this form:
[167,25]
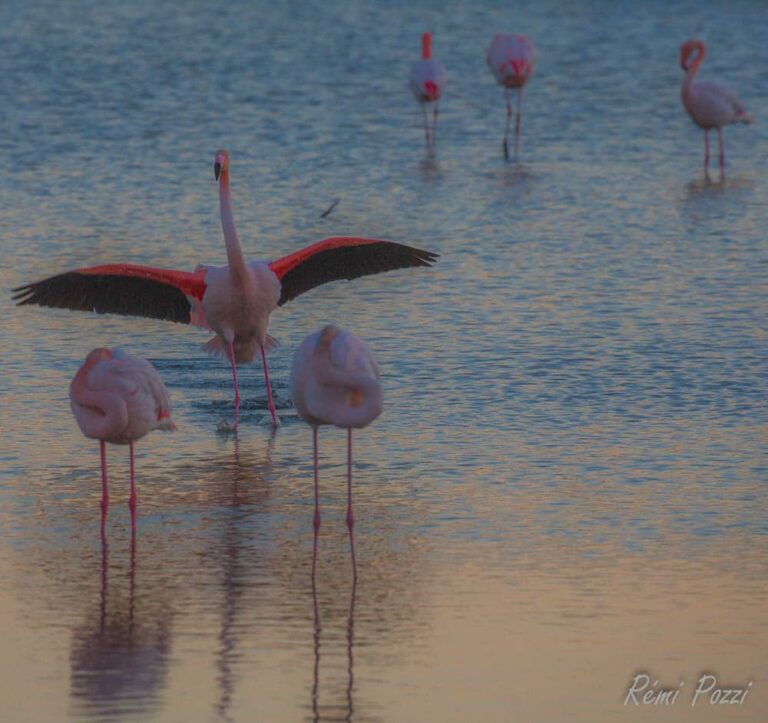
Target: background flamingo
[234,301]
[709,104]
[335,380]
[427,81]
[117,397]
[512,59]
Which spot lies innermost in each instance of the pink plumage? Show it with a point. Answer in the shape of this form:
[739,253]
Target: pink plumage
[710,105]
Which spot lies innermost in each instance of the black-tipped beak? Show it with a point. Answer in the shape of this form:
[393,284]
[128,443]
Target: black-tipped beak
[216,170]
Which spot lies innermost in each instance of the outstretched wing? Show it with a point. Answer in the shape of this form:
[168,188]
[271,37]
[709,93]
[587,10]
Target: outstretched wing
[126,289]
[342,258]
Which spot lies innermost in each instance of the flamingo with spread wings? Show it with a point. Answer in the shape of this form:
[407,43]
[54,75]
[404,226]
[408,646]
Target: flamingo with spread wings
[234,301]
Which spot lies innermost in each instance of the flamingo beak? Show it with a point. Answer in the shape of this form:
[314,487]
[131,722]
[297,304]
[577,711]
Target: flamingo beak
[216,170]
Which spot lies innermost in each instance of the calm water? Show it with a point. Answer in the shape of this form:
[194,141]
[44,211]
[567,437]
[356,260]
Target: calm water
[567,485]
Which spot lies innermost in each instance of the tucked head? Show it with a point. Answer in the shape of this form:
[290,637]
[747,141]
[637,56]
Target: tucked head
[97,355]
[220,163]
[687,49]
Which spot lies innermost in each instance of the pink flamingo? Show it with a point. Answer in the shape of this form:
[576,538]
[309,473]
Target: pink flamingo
[335,380]
[709,104]
[427,81]
[117,397]
[234,301]
[512,59]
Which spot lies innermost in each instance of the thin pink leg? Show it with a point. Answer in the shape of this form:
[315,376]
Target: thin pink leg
[721,148]
[426,127]
[435,113]
[104,485]
[706,152]
[350,515]
[231,349]
[133,499]
[517,120]
[316,519]
[506,126]
[270,403]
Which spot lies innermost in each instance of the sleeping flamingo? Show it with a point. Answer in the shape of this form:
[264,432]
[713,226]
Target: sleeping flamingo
[709,104]
[512,59]
[118,397]
[234,301]
[427,81]
[335,380]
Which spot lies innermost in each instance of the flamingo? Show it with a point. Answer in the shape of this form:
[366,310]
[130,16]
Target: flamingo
[709,104]
[512,59]
[335,380]
[234,301]
[427,81]
[118,397]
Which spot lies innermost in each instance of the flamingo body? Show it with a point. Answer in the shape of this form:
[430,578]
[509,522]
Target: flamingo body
[710,105]
[335,380]
[239,314]
[234,301]
[512,60]
[117,397]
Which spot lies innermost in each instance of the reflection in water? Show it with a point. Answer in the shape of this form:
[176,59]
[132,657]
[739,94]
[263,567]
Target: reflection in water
[350,640]
[118,661]
[234,578]
[429,167]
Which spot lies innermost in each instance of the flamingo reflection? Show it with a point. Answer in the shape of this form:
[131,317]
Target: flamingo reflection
[350,709]
[119,665]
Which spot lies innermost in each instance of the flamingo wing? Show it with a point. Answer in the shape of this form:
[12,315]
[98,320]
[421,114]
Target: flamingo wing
[126,289]
[342,258]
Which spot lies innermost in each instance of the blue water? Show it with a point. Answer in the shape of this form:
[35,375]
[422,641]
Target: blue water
[573,442]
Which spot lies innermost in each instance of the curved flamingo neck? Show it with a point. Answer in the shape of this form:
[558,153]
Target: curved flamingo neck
[695,64]
[426,46]
[235,258]
[101,414]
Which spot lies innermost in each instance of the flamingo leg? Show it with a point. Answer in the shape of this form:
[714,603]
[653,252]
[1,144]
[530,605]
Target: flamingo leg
[270,403]
[426,126]
[350,515]
[706,151]
[721,150]
[435,113]
[316,519]
[506,126]
[133,499]
[517,119]
[231,350]
[104,485]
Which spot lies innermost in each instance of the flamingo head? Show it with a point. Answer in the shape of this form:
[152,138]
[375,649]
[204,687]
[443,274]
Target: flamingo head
[220,163]
[687,49]
[426,46]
